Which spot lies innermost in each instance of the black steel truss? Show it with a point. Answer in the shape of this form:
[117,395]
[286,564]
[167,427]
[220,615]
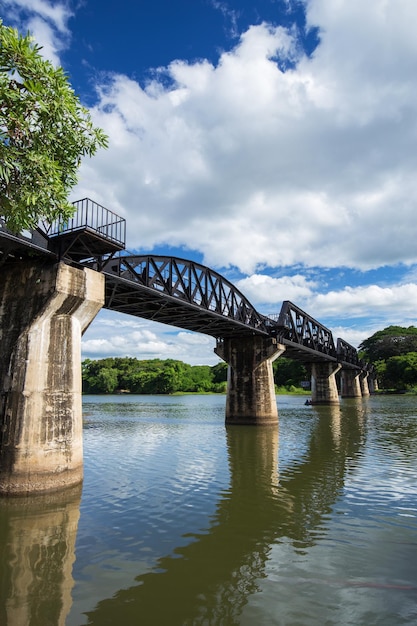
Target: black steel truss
[347,353]
[180,293]
[303,330]
[188,295]
[304,337]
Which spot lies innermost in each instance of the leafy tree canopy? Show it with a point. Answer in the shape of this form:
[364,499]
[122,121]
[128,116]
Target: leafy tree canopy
[155,376]
[44,132]
[151,376]
[289,373]
[389,342]
[400,372]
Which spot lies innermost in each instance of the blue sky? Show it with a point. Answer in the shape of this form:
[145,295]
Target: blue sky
[272,140]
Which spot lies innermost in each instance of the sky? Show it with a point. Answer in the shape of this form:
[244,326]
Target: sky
[271,140]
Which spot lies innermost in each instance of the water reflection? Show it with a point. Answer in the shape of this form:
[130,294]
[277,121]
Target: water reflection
[315,483]
[37,541]
[210,579]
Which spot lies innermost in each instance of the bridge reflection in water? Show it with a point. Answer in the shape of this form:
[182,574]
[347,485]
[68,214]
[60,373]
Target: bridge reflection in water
[209,580]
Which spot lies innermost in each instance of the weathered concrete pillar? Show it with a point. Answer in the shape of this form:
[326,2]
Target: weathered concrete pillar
[323,383]
[372,384]
[350,383]
[44,309]
[364,383]
[250,382]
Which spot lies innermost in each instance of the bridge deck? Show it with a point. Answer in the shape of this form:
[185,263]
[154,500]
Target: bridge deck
[19,246]
[305,354]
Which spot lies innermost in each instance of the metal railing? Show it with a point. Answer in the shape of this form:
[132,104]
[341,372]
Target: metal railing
[91,216]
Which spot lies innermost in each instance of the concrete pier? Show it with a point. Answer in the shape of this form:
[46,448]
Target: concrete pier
[372,384]
[364,383]
[250,382]
[350,383]
[323,383]
[44,309]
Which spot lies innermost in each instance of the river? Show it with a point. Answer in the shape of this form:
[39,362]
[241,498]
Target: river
[184,522]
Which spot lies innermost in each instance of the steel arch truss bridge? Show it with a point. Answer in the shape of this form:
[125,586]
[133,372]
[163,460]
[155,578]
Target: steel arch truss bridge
[180,293]
[171,290]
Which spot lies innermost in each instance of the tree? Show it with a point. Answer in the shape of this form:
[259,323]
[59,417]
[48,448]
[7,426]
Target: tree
[107,380]
[219,372]
[400,372]
[44,132]
[288,372]
[391,341]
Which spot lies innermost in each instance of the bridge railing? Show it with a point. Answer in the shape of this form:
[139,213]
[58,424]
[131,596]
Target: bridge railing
[91,216]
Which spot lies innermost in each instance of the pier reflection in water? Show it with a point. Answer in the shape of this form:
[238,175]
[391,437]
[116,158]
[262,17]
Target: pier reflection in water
[186,522]
[37,552]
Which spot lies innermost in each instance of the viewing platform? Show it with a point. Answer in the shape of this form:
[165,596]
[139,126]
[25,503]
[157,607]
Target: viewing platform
[91,233]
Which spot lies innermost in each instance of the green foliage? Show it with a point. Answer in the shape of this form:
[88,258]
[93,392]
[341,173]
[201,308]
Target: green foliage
[392,341]
[400,372]
[393,351]
[154,376]
[157,376]
[44,132]
[219,373]
[107,379]
[289,373]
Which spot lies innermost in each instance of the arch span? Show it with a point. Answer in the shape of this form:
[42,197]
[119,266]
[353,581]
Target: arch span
[180,293]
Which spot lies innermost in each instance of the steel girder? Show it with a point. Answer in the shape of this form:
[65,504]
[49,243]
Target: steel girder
[301,331]
[180,293]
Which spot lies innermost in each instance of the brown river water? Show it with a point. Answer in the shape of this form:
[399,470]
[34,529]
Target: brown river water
[182,521]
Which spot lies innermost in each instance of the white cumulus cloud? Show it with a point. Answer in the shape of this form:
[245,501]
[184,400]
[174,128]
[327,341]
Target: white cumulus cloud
[257,167]
[47,21]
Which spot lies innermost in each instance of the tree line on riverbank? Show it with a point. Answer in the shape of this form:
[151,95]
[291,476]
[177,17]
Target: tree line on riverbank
[392,351]
[166,376]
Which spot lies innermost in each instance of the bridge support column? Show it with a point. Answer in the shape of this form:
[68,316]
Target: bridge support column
[44,309]
[350,384]
[364,383]
[250,382]
[372,384]
[323,383]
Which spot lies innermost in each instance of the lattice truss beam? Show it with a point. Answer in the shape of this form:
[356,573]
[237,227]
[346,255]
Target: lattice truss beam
[347,353]
[303,329]
[304,335]
[181,293]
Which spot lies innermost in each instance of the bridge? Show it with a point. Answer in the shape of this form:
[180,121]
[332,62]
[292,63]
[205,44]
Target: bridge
[55,279]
